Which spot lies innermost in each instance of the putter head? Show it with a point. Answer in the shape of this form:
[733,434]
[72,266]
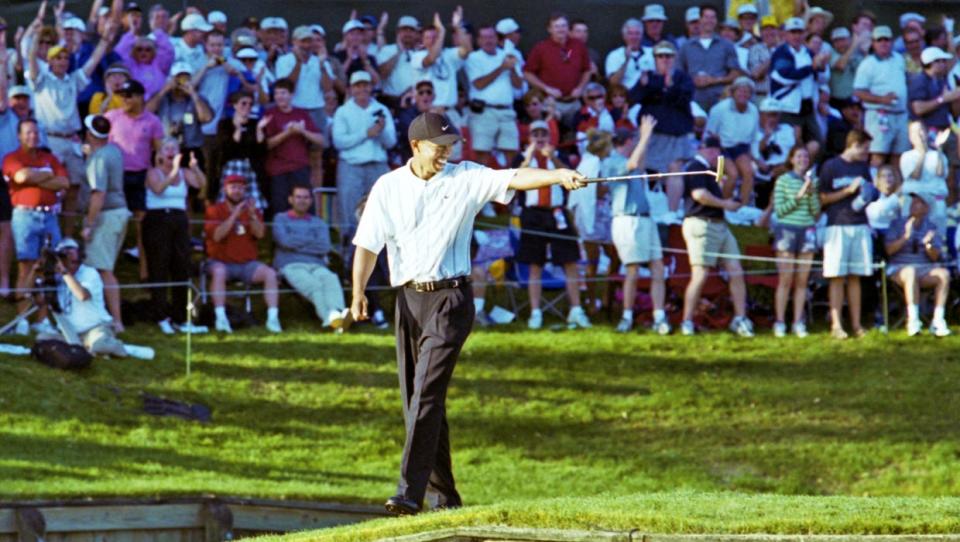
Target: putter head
[720,165]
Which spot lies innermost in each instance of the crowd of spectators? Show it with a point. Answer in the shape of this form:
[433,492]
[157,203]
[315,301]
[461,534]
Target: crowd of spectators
[838,136]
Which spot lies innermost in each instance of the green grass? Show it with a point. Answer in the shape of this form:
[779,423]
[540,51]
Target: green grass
[673,433]
[678,512]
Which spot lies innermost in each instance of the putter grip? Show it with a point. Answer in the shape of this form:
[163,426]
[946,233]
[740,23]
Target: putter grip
[720,165]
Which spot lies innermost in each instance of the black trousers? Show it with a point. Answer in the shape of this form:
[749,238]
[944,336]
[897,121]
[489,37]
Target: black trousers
[166,240]
[431,330]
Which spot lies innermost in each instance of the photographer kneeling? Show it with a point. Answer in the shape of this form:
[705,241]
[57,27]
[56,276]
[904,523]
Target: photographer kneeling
[79,310]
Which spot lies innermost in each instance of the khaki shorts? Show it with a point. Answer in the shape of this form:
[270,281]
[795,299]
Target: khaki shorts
[708,240]
[848,250]
[494,129]
[106,239]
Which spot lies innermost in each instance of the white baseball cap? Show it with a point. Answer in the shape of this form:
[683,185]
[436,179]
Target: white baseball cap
[794,23]
[654,12]
[75,23]
[180,67]
[933,54]
[195,21]
[507,26]
[318,29]
[912,16]
[693,14]
[408,21]
[247,52]
[747,9]
[217,17]
[273,23]
[353,24]
[302,32]
[360,77]
[19,90]
[839,33]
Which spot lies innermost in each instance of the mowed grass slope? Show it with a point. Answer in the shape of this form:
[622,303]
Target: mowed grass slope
[533,416]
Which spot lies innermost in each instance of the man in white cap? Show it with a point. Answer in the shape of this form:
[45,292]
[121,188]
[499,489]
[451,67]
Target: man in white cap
[881,84]
[795,80]
[273,36]
[218,20]
[493,74]
[691,26]
[302,67]
[423,213]
[363,132]
[105,223]
[355,57]
[747,17]
[771,145]
[440,65]
[189,47]
[183,111]
[508,34]
[624,65]
[911,21]
[654,17]
[931,100]
[395,60]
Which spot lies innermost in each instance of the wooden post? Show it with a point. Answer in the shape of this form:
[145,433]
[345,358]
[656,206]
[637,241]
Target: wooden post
[217,522]
[31,526]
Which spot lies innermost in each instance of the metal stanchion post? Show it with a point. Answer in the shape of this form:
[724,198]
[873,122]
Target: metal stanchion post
[189,324]
[886,306]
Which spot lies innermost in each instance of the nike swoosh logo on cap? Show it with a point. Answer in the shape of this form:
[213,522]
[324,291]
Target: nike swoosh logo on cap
[444,127]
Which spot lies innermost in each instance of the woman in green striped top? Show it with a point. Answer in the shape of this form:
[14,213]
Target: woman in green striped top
[797,204]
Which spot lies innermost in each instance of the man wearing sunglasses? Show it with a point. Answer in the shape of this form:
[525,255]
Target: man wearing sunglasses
[881,84]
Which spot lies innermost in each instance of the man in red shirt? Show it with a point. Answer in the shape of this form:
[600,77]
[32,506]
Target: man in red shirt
[560,67]
[232,229]
[289,133]
[34,176]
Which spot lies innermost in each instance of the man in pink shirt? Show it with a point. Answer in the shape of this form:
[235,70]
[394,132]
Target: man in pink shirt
[138,133]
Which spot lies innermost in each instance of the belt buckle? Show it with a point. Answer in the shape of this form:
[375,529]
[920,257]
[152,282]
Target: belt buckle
[419,287]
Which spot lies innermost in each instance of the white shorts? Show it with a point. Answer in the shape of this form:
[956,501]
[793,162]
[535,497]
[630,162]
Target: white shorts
[494,129]
[891,139]
[847,250]
[636,239]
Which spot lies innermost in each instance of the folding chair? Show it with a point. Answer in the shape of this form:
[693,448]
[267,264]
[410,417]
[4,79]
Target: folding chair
[553,282]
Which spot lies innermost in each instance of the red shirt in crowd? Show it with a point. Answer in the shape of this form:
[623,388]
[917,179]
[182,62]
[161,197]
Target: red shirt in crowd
[239,246]
[26,195]
[559,66]
[294,152]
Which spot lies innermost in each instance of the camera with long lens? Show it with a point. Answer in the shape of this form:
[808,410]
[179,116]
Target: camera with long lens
[46,280]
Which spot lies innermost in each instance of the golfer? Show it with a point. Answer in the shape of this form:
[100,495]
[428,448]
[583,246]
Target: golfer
[423,212]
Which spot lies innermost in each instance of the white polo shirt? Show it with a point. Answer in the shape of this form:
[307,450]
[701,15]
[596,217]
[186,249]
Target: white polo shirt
[55,100]
[880,77]
[195,56]
[402,76]
[427,225]
[731,126]
[639,62]
[442,73]
[479,63]
[307,94]
[83,316]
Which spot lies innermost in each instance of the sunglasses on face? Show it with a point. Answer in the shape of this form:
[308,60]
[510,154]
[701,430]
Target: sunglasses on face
[597,97]
[881,39]
[663,56]
[909,42]
[142,50]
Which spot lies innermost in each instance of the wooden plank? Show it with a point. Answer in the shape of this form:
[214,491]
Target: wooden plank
[101,518]
[272,519]
[8,522]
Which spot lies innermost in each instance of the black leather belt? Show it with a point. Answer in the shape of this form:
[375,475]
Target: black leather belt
[444,284]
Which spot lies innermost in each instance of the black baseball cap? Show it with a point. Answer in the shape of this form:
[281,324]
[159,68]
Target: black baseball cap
[435,128]
[131,87]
